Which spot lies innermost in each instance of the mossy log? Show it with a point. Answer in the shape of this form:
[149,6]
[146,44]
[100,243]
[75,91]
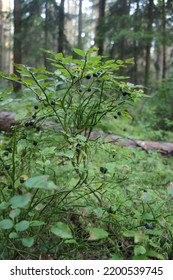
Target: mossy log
[7,120]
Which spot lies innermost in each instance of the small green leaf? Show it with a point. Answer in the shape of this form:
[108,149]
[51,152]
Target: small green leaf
[6,224]
[148,216]
[58,56]
[139,250]
[36,223]
[13,235]
[117,257]
[61,230]
[4,205]
[48,151]
[20,201]
[22,226]
[170,188]
[28,241]
[41,182]
[97,233]
[14,213]
[79,52]
[70,241]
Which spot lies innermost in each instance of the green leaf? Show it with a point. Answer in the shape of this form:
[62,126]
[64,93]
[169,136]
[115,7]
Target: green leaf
[70,241]
[81,137]
[61,230]
[4,205]
[28,241]
[79,52]
[170,188]
[14,213]
[6,224]
[13,235]
[148,216]
[48,151]
[68,154]
[97,233]
[22,226]
[139,250]
[20,201]
[140,237]
[151,253]
[36,223]
[117,257]
[41,182]
[92,50]
[58,56]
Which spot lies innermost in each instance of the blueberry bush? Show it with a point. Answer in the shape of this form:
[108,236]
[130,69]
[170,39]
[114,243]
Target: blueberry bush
[65,194]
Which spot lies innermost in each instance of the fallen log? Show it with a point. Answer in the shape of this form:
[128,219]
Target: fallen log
[7,119]
[165,148]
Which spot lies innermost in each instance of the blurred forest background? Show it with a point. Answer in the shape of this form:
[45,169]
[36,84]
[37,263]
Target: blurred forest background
[122,29]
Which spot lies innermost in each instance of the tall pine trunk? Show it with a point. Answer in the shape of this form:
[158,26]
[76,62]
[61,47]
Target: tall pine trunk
[100,28]
[148,44]
[80,25]
[17,47]
[61,27]
[163,40]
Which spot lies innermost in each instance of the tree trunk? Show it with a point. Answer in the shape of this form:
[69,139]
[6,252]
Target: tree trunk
[163,40]
[80,25]
[17,47]
[61,27]
[1,37]
[46,33]
[148,45]
[136,44]
[100,29]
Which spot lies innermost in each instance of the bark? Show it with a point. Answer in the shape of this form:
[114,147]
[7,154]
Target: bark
[100,29]
[148,45]
[46,32]
[80,25]
[1,37]
[7,119]
[61,27]
[164,41]
[17,47]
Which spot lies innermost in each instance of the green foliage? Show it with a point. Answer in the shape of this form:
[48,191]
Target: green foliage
[66,194]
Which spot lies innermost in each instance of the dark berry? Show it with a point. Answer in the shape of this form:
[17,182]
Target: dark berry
[103,170]
[96,74]
[88,76]
[22,180]
[89,89]
[148,226]
[119,113]
[31,122]
[78,150]
[52,102]
[115,117]
[125,93]
[8,149]
[35,143]
[38,128]
[7,167]
[34,116]
[27,124]
[10,187]
[80,90]
[110,210]
[36,107]
[145,190]
[6,154]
